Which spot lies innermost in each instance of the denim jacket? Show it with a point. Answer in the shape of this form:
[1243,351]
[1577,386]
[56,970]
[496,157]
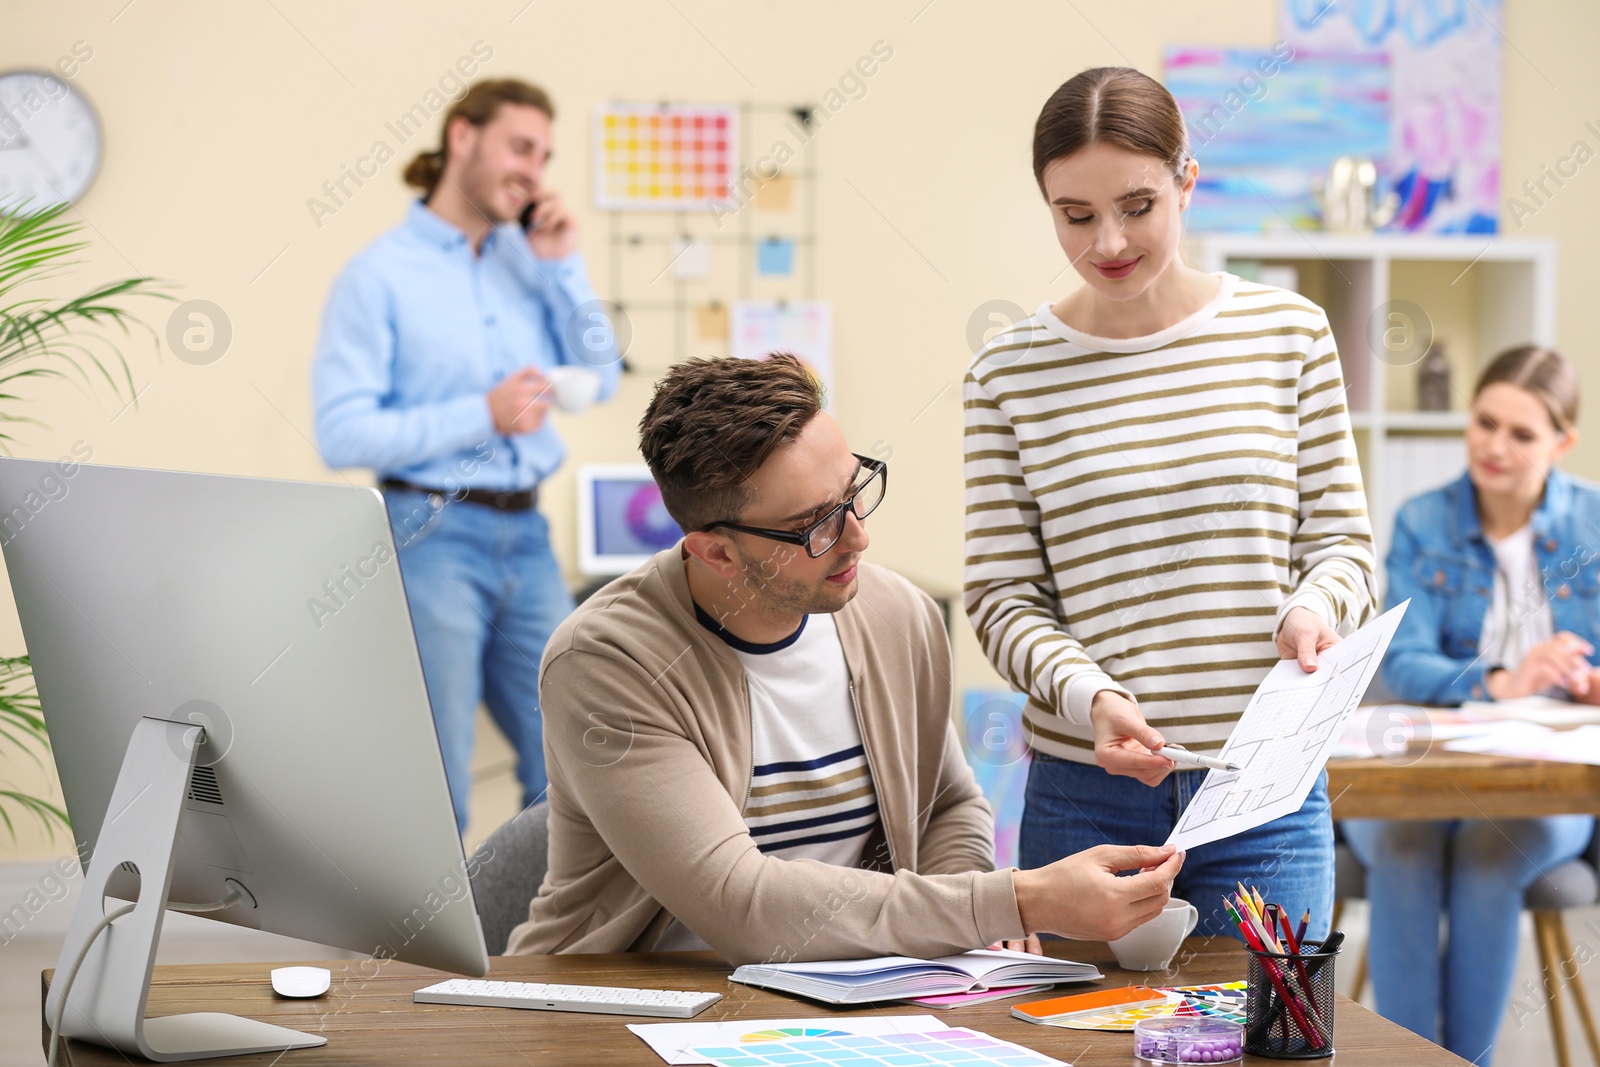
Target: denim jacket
[1441,562]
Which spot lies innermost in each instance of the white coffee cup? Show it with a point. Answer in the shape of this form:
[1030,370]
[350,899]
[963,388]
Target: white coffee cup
[1150,947]
[574,388]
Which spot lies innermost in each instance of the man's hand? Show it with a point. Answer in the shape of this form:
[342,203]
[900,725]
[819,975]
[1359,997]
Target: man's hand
[519,403]
[554,233]
[1082,897]
[1304,636]
[1561,661]
[1123,741]
[1025,944]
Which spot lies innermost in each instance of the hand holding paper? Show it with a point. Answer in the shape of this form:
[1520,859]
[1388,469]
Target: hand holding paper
[1284,737]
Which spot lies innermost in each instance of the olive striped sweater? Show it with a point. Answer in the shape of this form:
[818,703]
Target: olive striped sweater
[1141,512]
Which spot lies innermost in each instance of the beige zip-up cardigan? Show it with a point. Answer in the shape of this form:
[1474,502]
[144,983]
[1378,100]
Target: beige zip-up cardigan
[647,743]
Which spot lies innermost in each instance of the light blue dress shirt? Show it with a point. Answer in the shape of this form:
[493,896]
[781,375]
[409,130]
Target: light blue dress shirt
[418,329]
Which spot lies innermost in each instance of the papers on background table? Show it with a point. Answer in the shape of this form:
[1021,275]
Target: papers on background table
[1396,731]
[861,1041]
[1530,740]
[1550,711]
[1517,728]
[1284,737]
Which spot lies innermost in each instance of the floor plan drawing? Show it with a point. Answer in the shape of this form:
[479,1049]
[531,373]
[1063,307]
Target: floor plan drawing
[1284,737]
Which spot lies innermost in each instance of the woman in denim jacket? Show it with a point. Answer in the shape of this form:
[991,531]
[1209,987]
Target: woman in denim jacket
[1501,570]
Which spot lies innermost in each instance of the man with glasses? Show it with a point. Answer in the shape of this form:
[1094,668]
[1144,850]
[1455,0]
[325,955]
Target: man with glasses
[749,736]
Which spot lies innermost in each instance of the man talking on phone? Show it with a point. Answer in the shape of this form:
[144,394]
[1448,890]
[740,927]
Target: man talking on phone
[444,345]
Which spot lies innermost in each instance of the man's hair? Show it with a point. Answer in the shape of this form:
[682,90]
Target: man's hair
[479,107]
[713,422]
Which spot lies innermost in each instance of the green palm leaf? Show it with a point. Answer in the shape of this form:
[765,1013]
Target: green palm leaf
[44,337]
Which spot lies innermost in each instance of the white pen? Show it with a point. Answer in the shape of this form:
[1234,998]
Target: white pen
[1179,754]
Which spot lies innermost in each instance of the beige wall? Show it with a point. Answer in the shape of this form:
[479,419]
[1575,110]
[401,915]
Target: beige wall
[222,120]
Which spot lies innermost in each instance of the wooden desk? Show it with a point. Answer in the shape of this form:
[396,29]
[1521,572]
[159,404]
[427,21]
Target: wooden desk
[1461,785]
[374,1021]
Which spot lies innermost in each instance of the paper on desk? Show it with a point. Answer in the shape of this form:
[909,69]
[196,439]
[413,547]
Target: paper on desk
[1393,730]
[1284,737]
[670,1040]
[1527,740]
[1550,711]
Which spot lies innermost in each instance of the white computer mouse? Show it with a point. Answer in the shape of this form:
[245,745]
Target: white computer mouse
[300,981]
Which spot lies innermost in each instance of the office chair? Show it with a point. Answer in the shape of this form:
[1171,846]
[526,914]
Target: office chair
[1574,884]
[507,870]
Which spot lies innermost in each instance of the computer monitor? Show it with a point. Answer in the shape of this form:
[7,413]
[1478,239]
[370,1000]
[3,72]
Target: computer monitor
[271,614]
[621,519]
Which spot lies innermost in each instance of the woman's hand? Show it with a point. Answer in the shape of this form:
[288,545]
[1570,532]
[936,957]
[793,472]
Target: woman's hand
[1561,661]
[1123,742]
[1304,636]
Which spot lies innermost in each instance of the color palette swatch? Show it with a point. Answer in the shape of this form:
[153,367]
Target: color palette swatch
[967,1047]
[668,157]
[1225,1001]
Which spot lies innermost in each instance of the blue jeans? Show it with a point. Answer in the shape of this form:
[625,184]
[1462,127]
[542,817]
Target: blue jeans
[485,594]
[1074,806]
[1472,872]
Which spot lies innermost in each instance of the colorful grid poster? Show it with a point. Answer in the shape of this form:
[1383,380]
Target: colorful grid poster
[664,157]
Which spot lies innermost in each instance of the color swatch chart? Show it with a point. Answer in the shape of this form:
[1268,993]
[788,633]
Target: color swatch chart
[1213,1001]
[784,1047]
[669,157]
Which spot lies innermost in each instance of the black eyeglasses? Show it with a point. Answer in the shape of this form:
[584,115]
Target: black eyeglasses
[823,534]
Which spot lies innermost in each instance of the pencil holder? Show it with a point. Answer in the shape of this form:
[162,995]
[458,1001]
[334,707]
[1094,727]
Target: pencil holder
[1289,1005]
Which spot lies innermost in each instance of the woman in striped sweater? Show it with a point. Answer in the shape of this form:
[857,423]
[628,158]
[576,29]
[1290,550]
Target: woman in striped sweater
[1162,501]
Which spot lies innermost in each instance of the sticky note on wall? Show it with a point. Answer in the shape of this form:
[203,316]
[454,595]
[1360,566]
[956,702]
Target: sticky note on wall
[775,194]
[711,322]
[775,255]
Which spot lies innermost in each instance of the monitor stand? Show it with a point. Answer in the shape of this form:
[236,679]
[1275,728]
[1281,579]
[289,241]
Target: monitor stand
[106,1004]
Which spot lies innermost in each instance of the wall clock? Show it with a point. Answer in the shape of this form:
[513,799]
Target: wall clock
[50,139]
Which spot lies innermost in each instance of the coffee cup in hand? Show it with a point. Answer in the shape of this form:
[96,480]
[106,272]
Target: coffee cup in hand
[1150,947]
[574,388]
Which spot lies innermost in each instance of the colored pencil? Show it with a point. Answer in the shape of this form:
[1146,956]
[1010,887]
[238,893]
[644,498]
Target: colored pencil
[1290,1002]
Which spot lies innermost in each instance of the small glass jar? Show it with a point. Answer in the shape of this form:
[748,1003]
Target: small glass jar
[1185,1039]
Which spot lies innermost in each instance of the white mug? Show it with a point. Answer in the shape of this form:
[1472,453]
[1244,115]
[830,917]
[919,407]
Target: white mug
[1150,947]
[574,388]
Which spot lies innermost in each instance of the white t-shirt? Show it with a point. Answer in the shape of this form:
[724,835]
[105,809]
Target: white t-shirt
[1519,612]
[811,791]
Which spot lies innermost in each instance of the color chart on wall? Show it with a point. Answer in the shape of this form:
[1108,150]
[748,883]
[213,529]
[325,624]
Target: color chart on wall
[664,157]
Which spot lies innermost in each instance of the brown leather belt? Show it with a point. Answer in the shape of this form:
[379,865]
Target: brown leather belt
[499,499]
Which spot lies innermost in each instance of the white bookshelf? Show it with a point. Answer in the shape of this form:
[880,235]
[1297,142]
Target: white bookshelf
[1480,294]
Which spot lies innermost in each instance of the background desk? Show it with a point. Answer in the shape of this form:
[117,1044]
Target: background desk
[373,1021]
[1461,785]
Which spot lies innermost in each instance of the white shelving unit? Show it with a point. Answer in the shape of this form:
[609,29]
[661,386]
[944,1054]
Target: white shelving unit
[1477,295]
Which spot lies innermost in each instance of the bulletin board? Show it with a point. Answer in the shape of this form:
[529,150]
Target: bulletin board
[710,261]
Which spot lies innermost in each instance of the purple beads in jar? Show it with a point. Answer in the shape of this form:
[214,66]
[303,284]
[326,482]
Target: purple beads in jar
[1170,1039]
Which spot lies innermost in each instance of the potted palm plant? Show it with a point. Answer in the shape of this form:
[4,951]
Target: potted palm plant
[45,337]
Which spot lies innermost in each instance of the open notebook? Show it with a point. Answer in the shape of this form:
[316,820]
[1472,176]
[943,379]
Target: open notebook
[894,977]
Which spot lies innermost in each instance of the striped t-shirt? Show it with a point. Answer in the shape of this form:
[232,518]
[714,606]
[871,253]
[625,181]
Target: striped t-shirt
[1141,512]
[811,792]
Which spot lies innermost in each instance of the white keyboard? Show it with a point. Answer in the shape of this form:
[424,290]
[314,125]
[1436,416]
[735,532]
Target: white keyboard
[668,1003]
